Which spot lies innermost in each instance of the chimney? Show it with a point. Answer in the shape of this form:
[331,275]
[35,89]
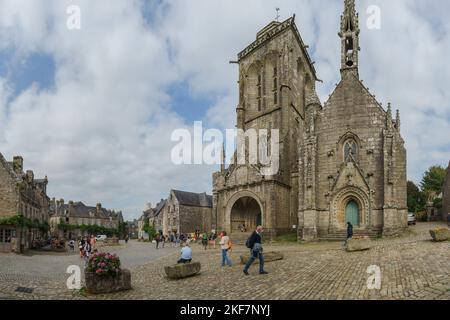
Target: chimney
[99,206]
[18,164]
[30,176]
[61,202]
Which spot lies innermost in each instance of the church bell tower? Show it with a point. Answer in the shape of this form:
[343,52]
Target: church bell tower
[349,35]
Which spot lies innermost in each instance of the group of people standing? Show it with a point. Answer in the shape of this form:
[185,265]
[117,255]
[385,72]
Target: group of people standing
[173,238]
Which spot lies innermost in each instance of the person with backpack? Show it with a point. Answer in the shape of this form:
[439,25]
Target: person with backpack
[225,245]
[254,243]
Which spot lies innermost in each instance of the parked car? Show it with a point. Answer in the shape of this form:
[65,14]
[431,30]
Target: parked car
[101,237]
[411,219]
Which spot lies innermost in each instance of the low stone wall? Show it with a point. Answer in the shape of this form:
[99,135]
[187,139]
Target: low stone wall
[96,284]
[440,234]
[182,270]
[354,245]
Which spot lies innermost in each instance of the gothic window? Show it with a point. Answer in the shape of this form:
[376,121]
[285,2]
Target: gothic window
[259,92]
[275,85]
[350,150]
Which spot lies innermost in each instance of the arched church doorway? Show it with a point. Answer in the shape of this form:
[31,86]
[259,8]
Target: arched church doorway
[352,212]
[245,211]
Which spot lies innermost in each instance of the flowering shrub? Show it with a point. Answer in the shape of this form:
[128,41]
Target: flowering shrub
[103,263]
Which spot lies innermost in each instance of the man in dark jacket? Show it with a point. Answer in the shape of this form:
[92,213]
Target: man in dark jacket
[256,251]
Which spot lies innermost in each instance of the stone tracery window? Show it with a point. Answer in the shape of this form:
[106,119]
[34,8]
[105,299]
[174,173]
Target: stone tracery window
[350,150]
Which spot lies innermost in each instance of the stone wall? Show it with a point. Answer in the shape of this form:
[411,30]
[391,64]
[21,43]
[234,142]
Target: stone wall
[193,217]
[9,196]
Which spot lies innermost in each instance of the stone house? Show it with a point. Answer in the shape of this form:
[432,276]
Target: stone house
[21,194]
[185,212]
[446,195]
[78,214]
[341,161]
[133,229]
[155,218]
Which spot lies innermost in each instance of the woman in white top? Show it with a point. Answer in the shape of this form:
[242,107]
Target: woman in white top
[225,246]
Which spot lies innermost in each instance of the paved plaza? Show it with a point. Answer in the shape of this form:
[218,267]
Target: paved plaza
[412,267]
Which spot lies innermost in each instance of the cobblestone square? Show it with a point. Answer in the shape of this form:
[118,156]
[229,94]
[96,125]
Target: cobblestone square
[412,267]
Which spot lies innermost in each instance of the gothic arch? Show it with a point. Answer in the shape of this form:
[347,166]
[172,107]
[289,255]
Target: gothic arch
[234,198]
[343,139]
[340,201]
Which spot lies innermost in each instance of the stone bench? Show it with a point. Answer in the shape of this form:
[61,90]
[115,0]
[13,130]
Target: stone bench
[268,257]
[97,284]
[354,245]
[182,270]
[440,234]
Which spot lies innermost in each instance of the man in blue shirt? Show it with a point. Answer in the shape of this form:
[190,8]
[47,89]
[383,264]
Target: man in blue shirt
[186,254]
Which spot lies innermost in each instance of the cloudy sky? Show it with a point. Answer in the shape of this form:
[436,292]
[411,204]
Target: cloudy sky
[94,108]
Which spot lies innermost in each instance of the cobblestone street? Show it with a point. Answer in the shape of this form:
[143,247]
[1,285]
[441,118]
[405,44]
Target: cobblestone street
[412,267]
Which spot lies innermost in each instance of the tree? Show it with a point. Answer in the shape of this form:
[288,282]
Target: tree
[122,229]
[416,199]
[433,180]
[149,229]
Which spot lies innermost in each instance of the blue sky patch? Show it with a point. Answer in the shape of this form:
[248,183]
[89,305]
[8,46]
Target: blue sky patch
[38,68]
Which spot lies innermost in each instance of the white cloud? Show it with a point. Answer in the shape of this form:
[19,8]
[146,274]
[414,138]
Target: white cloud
[103,133]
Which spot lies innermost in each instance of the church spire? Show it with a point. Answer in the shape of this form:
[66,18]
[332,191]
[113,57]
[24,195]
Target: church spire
[349,35]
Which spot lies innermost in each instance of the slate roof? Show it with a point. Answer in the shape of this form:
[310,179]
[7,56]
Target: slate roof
[193,199]
[80,210]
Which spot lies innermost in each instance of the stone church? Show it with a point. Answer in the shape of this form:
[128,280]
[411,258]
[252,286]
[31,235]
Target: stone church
[341,161]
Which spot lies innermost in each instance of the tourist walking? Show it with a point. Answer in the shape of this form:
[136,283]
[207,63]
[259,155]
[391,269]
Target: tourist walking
[72,245]
[81,247]
[127,238]
[254,243]
[349,233]
[205,240]
[157,239]
[212,239]
[172,240]
[225,245]
[87,253]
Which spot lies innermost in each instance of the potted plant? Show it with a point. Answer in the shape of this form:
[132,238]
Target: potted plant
[104,275]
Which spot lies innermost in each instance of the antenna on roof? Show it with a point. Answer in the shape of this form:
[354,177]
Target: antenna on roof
[278,14]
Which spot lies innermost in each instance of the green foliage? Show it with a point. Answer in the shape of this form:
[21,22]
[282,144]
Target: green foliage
[21,221]
[289,237]
[122,229]
[437,203]
[93,229]
[416,198]
[421,216]
[433,180]
[149,229]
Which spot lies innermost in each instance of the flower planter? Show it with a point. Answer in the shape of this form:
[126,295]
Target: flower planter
[109,283]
